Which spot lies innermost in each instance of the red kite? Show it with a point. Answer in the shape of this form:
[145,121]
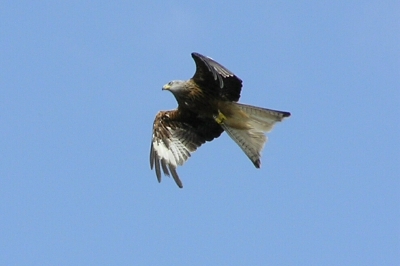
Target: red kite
[207,106]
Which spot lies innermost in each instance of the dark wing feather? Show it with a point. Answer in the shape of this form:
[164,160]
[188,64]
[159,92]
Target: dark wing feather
[210,75]
[176,135]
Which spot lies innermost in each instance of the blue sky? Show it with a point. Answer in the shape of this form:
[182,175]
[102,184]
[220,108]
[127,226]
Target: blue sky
[80,86]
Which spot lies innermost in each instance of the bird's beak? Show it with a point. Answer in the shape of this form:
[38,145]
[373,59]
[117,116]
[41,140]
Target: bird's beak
[166,87]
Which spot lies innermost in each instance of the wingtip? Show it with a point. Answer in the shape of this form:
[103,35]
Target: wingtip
[198,55]
[176,177]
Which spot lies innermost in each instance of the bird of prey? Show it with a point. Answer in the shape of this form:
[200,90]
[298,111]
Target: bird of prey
[207,106]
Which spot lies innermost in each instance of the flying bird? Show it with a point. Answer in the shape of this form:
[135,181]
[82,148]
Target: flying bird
[207,106]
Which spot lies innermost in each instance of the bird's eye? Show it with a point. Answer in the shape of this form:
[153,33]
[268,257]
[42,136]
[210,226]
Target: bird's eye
[170,83]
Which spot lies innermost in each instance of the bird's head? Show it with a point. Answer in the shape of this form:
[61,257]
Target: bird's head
[175,86]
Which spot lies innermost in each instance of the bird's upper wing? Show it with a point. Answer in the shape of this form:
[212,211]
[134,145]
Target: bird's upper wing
[175,135]
[213,76]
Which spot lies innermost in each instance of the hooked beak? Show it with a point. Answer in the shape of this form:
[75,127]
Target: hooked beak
[166,87]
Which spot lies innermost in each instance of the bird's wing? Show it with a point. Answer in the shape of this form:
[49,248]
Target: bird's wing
[213,76]
[175,136]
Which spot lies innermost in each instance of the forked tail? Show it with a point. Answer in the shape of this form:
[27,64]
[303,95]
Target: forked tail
[247,126]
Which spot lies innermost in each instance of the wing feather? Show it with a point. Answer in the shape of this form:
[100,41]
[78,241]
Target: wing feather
[212,76]
[175,137]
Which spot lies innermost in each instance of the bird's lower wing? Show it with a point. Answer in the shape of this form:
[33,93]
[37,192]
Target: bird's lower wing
[172,143]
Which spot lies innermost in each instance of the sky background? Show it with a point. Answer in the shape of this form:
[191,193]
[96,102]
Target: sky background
[80,85]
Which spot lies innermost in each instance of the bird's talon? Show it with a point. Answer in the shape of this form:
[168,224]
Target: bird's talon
[220,118]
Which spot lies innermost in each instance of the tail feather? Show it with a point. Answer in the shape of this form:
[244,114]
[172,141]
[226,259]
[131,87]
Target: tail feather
[265,118]
[248,128]
[251,142]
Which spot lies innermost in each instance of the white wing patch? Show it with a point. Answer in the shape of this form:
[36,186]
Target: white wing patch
[171,147]
[174,152]
[163,152]
[179,150]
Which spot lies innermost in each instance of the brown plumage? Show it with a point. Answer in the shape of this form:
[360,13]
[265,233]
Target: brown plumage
[207,106]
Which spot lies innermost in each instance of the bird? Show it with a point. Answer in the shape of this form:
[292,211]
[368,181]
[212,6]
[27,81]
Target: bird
[207,107]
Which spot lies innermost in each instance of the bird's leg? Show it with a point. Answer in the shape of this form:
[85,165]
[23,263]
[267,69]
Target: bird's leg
[220,118]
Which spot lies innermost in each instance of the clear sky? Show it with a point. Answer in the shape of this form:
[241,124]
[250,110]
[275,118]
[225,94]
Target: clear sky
[80,84]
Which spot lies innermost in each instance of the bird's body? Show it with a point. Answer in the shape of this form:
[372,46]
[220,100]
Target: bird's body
[207,106]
